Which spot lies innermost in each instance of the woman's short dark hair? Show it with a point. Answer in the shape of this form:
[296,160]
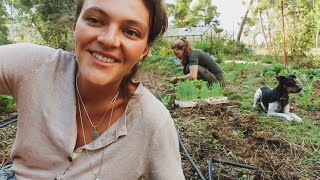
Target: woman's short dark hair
[158,26]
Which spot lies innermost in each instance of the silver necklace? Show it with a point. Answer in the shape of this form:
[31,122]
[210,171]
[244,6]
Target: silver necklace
[96,175]
[94,133]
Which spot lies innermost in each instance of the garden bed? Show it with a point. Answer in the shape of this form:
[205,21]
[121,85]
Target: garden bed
[236,132]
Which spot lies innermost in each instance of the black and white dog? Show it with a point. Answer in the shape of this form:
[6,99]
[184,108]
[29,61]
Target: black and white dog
[276,101]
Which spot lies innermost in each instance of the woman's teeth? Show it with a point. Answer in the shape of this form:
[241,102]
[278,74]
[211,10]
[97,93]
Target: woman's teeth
[103,59]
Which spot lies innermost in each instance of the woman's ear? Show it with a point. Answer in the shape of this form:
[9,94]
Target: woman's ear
[73,27]
[145,52]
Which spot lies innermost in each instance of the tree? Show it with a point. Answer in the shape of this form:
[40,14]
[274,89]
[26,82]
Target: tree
[204,11]
[244,21]
[4,31]
[301,26]
[49,17]
[182,16]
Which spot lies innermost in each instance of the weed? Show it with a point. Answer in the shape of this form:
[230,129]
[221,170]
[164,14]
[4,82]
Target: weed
[238,134]
[166,100]
[273,70]
[7,103]
[201,126]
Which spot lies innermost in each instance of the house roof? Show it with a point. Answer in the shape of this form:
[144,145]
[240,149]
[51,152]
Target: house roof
[186,31]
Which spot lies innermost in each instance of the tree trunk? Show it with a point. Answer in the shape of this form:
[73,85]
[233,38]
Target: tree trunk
[254,39]
[262,30]
[269,33]
[317,40]
[284,38]
[243,21]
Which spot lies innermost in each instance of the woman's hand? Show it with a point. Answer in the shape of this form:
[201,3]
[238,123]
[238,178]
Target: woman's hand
[173,80]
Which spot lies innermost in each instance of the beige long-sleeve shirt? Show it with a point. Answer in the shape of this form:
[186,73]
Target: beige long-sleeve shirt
[142,144]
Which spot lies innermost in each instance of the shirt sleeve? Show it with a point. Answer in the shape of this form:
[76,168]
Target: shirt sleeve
[193,59]
[19,62]
[165,161]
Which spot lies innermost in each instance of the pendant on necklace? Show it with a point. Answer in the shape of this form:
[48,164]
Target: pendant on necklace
[97,178]
[95,134]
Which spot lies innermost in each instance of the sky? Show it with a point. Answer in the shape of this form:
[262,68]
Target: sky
[230,11]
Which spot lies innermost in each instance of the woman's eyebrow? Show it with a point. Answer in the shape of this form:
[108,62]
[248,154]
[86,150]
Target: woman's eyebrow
[140,24]
[96,9]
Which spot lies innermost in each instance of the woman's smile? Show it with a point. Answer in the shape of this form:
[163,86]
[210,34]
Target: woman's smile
[102,58]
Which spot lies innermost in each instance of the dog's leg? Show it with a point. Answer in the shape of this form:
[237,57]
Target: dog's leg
[294,116]
[272,111]
[256,97]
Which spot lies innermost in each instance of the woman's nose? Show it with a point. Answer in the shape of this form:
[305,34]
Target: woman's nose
[110,37]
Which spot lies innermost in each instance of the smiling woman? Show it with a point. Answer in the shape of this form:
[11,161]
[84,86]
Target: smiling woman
[80,115]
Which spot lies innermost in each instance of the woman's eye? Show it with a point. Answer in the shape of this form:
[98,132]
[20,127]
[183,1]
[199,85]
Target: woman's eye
[93,20]
[131,32]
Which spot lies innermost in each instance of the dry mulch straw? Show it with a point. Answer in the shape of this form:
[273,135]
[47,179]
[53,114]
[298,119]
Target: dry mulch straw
[224,132]
[7,136]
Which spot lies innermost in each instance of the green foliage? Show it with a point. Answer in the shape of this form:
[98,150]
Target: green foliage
[222,49]
[206,12]
[299,35]
[182,16]
[273,70]
[164,63]
[7,103]
[162,47]
[4,31]
[308,80]
[203,12]
[49,17]
[205,46]
[186,90]
[263,58]
[166,100]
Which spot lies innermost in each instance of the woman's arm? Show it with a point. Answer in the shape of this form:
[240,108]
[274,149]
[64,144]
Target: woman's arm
[20,62]
[165,160]
[192,75]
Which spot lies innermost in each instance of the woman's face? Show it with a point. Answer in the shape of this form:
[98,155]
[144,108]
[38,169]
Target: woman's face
[111,37]
[178,52]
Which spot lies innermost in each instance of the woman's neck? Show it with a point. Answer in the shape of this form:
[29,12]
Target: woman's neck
[96,93]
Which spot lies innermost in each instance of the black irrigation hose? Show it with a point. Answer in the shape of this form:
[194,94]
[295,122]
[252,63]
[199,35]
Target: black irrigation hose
[9,120]
[210,169]
[231,163]
[189,157]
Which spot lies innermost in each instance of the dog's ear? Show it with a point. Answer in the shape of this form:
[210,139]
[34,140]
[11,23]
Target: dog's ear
[293,76]
[281,79]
